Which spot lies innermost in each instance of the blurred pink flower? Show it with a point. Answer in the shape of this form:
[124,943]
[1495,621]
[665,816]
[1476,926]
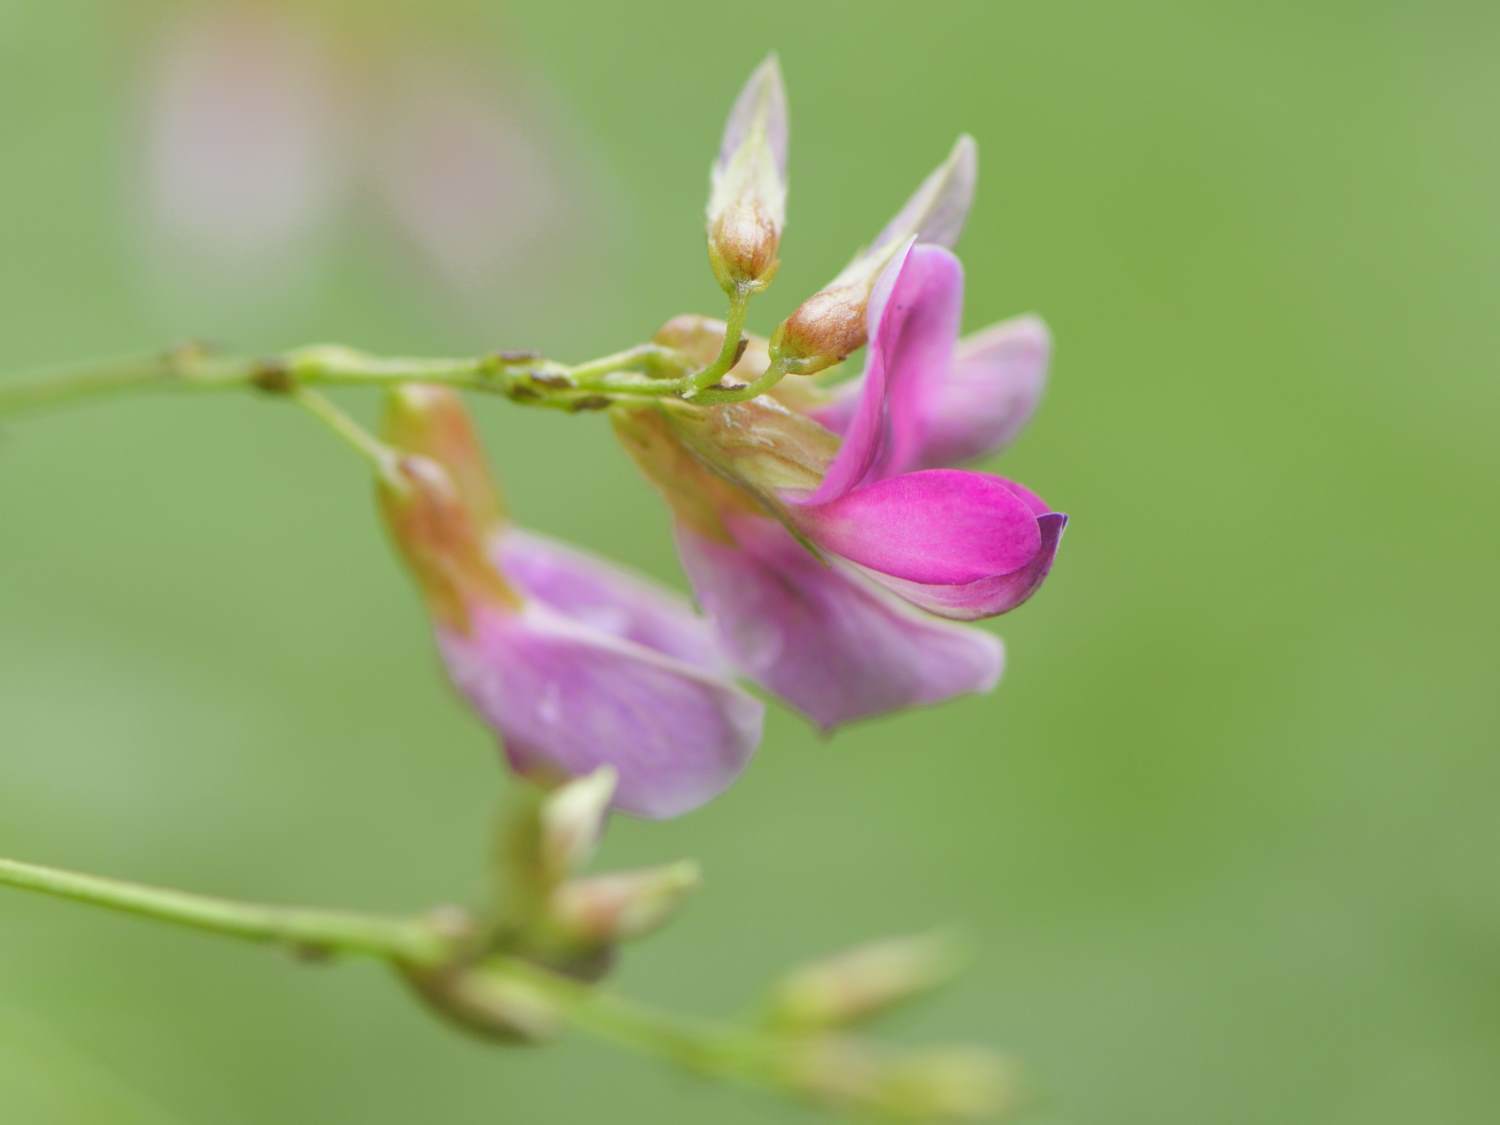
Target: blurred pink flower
[470,178]
[242,148]
[259,126]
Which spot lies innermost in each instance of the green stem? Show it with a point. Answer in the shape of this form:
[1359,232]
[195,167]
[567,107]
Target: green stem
[408,940]
[648,357]
[729,350]
[522,378]
[381,456]
[702,1047]
[716,396]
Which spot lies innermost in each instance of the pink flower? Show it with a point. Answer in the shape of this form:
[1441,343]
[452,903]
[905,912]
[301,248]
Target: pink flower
[959,544]
[809,554]
[574,664]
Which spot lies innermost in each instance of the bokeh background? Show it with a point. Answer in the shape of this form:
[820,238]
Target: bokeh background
[1226,835]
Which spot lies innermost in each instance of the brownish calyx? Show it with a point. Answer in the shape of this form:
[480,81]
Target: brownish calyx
[443,542]
[711,463]
[433,422]
[697,496]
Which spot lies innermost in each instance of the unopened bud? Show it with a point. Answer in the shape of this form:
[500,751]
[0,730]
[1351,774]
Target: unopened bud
[831,323]
[622,905]
[939,1084]
[572,820]
[948,1084]
[489,1003]
[747,197]
[861,983]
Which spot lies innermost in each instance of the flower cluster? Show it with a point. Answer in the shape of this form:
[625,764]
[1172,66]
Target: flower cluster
[827,530]
[838,551]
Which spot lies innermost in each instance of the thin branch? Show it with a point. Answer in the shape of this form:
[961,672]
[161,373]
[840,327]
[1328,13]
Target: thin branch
[408,940]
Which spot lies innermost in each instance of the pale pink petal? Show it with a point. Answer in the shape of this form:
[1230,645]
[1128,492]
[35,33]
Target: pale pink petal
[605,597]
[987,396]
[566,699]
[824,639]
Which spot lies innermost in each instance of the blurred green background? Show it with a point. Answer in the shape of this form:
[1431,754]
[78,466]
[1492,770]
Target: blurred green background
[1227,832]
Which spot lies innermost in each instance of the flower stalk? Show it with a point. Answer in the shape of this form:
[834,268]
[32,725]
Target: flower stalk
[508,998]
[642,372]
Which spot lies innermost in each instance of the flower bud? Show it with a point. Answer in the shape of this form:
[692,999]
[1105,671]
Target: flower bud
[572,820]
[937,1084]
[863,982]
[948,1084]
[747,197]
[831,323]
[623,905]
[487,1002]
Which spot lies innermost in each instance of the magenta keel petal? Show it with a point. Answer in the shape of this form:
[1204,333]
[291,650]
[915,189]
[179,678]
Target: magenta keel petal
[985,597]
[823,639]
[941,526]
[566,699]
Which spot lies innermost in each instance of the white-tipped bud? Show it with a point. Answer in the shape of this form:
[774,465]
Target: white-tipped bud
[861,983]
[622,905]
[747,196]
[572,821]
[938,208]
[831,323]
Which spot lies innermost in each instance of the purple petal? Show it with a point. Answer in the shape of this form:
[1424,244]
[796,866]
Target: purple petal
[936,526]
[824,639]
[566,699]
[913,322]
[990,596]
[605,598]
[989,393]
